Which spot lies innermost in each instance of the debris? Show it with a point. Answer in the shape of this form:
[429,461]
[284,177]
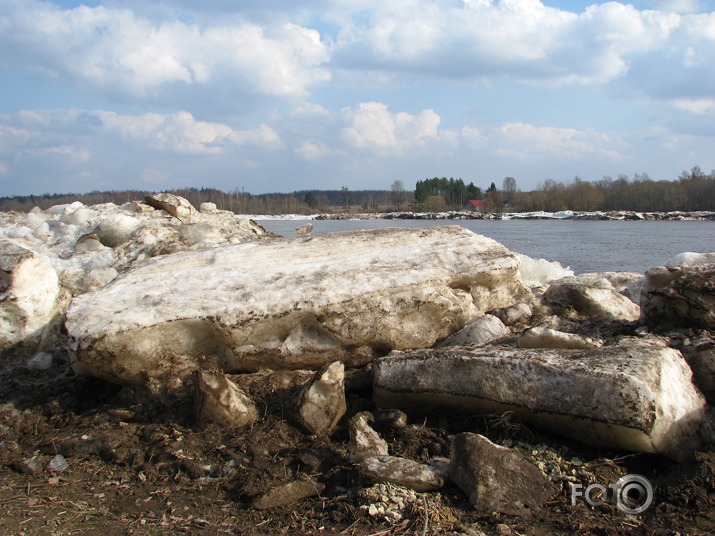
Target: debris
[401,472]
[496,478]
[365,442]
[321,404]
[287,494]
[219,400]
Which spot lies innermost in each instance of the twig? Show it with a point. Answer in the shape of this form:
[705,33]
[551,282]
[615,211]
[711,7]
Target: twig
[351,526]
[426,514]
[380,533]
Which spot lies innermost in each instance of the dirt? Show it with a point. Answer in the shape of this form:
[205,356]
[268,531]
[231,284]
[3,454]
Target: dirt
[139,467]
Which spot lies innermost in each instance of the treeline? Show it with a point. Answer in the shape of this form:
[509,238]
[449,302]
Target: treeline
[299,202]
[692,191]
[443,193]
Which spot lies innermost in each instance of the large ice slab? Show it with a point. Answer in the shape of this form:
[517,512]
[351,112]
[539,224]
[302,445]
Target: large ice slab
[636,395]
[290,303]
[29,293]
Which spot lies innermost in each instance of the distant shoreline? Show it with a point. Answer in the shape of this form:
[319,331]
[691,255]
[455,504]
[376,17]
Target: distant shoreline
[465,215]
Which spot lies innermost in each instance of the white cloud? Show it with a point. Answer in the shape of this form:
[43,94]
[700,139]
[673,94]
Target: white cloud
[525,141]
[696,106]
[312,150]
[372,125]
[118,52]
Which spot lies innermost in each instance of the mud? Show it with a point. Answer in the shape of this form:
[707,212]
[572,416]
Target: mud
[141,467]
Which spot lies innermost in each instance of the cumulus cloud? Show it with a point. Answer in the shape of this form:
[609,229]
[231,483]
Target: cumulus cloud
[312,150]
[521,40]
[525,141]
[119,53]
[373,125]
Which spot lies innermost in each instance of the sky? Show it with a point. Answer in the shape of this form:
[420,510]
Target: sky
[286,95]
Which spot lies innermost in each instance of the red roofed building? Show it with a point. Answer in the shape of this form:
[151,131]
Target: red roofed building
[476,204]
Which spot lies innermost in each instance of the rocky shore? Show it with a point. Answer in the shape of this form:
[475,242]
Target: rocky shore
[170,370]
[540,215]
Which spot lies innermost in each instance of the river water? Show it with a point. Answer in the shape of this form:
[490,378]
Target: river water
[583,246]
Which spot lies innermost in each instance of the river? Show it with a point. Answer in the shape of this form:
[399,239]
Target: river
[583,246]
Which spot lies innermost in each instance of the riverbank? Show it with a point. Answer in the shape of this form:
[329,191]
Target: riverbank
[181,427]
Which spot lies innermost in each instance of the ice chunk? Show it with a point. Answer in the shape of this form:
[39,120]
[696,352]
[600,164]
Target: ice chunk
[540,272]
[689,258]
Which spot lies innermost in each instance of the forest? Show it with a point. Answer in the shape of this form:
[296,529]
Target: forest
[693,190]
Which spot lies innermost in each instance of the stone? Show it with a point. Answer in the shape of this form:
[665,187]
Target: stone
[288,494]
[635,395]
[321,404]
[220,401]
[365,442]
[31,466]
[542,337]
[304,230]
[173,205]
[393,419]
[679,296]
[401,472]
[29,294]
[58,464]
[483,330]
[590,297]
[289,303]
[497,479]
[41,361]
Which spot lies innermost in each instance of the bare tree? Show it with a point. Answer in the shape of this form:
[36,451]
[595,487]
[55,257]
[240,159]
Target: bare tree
[508,189]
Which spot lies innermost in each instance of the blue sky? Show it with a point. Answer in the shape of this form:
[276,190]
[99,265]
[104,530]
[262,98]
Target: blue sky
[283,95]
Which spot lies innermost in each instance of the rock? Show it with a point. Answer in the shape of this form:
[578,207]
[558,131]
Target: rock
[321,404]
[541,337]
[393,419]
[29,294]
[679,296]
[219,400]
[58,464]
[287,494]
[31,466]
[40,361]
[172,204]
[10,414]
[365,442]
[483,330]
[496,478]
[388,503]
[401,472]
[304,230]
[635,395]
[290,303]
[591,297]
